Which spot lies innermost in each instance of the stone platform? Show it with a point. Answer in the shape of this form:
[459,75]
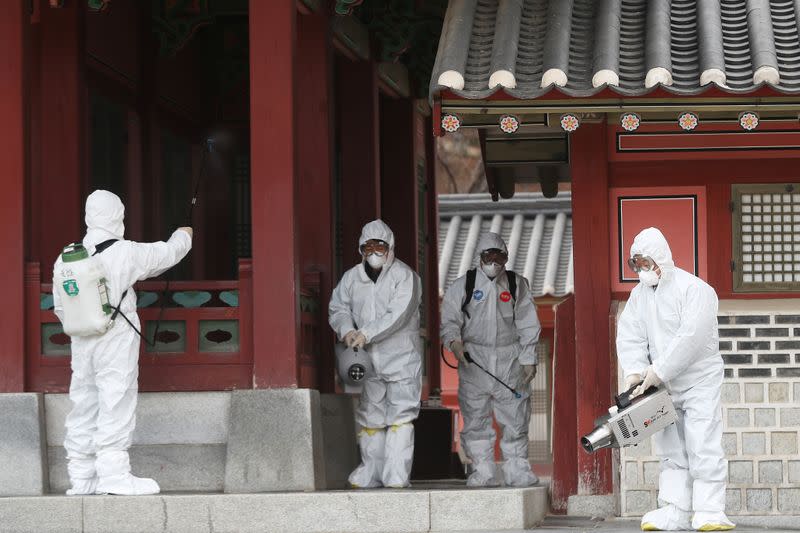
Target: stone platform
[420,509]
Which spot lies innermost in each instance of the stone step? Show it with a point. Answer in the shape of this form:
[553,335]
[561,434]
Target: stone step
[372,511]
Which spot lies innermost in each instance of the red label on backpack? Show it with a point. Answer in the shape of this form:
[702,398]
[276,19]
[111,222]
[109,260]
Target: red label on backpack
[505,296]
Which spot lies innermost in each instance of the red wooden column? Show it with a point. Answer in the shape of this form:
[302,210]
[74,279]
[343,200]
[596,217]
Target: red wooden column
[13,27]
[399,207]
[432,286]
[62,138]
[273,190]
[314,164]
[357,118]
[590,233]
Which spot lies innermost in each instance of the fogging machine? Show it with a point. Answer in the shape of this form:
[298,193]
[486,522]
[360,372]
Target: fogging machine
[630,421]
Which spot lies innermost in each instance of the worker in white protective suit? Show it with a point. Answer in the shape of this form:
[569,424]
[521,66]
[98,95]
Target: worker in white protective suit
[497,325]
[376,307]
[105,369]
[667,334]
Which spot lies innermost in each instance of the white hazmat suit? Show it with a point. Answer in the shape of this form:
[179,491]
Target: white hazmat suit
[500,334]
[105,369]
[673,327]
[386,313]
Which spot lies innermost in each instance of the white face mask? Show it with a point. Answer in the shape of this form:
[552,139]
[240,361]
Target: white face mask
[491,270]
[376,261]
[649,278]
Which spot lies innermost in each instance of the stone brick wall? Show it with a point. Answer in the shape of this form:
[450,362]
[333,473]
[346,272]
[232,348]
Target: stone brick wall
[760,344]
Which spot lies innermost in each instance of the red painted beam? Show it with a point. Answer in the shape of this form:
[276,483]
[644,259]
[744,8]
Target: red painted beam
[357,120]
[314,166]
[273,191]
[590,231]
[62,140]
[13,105]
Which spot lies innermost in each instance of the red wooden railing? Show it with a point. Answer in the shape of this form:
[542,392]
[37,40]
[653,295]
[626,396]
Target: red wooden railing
[196,347]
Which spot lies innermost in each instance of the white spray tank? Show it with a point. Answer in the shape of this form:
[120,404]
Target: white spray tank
[81,283]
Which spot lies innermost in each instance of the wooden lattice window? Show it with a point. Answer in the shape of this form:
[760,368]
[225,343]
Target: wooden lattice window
[766,237]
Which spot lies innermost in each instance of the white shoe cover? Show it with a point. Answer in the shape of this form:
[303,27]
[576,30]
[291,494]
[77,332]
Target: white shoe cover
[704,521]
[127,485]
[367,475]
[517,473]
[82,487]
[399,456]
[668,518]
[485,475]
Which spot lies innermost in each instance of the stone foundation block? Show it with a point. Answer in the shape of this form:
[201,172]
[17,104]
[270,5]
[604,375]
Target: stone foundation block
[595,506]
[176,467]
[733,501]
[275,441]
[789,500]
[339,438]
[754,443]
[759,500]
[784,443]
[770,472]
[23,451]
[740,471]
[488,509]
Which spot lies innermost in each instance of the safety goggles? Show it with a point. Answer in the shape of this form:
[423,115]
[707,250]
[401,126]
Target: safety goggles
[374,246]
[641,263]
[494,255]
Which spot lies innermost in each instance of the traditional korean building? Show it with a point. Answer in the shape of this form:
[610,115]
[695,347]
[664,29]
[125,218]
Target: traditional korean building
[292,124]
[681,115]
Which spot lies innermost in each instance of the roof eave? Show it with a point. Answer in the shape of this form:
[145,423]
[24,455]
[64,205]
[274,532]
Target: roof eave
[612,99]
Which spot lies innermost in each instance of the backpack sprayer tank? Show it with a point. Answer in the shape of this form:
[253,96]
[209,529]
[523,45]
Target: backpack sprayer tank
[630,421]
[81,283]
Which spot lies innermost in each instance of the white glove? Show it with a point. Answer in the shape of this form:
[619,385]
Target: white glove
[528,372]
[651,379]
[349,338]
[359,341]
[630,381]
[457,347]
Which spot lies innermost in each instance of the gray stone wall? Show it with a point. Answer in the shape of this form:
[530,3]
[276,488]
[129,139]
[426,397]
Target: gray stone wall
[760,344]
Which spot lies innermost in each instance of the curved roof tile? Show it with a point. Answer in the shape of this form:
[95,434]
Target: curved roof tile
[630,47]
[537,230]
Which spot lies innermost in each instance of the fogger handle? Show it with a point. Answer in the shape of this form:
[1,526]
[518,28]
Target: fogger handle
[624,400]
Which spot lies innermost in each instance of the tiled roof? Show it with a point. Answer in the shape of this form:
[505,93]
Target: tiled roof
[537,231]
[632,47]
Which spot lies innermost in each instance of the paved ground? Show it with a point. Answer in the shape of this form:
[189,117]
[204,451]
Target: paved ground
[576,525]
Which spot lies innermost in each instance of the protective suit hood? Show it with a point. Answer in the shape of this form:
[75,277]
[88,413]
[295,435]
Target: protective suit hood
[377,229]
[651,242]
[104,218]
[488,241]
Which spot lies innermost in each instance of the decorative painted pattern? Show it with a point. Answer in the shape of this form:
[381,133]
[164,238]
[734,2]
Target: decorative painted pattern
[451,123]
[171,336]
[569,122]
[216,336]
[509,123]
[688,121]
[748,120]
[630,121]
